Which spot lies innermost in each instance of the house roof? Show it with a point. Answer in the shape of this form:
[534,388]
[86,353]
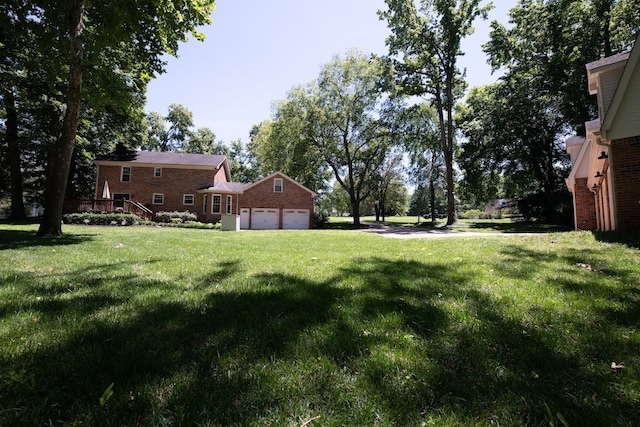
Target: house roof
[239,188]
[593,125]
[164,158]
[226,187]
[124,156]
[606,62]
[574,140]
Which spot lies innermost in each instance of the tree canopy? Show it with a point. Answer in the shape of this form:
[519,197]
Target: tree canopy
[344,118]
[85,56]
[424,45]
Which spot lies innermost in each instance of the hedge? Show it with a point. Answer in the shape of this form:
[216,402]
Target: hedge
[100,219]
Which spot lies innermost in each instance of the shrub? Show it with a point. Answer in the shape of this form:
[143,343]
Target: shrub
[175,216]
[320,218]
[191,224]
[100,219]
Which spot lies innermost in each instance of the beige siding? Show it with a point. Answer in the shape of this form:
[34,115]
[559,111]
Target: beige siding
[626,123]
[608,84]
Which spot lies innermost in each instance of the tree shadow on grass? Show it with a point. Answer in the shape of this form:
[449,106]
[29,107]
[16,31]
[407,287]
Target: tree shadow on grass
[628,238]
[18,239]
[380,342]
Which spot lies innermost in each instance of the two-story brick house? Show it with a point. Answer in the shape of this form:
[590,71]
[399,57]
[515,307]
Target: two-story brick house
[201,183]
[605,173]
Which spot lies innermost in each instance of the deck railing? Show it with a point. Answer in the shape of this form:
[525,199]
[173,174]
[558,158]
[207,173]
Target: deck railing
[108,206]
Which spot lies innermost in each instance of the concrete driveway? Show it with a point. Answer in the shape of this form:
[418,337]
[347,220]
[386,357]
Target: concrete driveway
[396,232]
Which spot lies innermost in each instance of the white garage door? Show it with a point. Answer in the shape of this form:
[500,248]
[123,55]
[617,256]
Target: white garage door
[295,219]
[265,219]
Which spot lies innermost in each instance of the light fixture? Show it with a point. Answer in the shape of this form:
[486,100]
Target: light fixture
[598,175]
[603,156]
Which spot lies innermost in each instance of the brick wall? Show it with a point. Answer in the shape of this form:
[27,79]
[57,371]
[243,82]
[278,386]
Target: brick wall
[585,206]
[174,183]
[625,159]
[292,196]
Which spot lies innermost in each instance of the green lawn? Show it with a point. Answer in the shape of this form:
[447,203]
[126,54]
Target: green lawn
[316,328]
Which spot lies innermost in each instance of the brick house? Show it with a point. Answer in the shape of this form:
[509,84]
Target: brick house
[201,183]
[605,162]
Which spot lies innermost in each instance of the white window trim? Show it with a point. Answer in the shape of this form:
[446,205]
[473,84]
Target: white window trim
[122,173]
[204,203]
[184,199]
[157,172]
[153,199]
[275,185]
[229,207]
[213,197]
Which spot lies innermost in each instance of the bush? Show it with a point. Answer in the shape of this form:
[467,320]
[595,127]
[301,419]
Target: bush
[175,217]
[554,208]
[100,219]
[320,218]
[191,224]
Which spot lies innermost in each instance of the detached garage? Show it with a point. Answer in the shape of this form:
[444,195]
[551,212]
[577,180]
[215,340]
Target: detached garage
[274,202]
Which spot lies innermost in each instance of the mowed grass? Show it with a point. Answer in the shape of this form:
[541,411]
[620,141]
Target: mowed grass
[316,328]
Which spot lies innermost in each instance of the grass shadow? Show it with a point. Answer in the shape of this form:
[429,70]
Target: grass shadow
[628,238]
[18,239]
[380,342]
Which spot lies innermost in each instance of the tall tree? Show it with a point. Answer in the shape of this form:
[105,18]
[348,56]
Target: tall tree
[282,144]
[118,45]
[425,44]
[422,144]
[180,120]
[548,43]
[352,122]
[510,154]
[543,53]
[386,181]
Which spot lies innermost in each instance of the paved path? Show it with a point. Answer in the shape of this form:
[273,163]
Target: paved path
[398,232]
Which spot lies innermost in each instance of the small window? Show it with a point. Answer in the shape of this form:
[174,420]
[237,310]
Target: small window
[187,199]
[157,172]
[216,204]
[125,175]
[158,198]
[229,204]
[204,204]
[277,185]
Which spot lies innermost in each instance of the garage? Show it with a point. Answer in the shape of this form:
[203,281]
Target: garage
[295,219]
[265,219]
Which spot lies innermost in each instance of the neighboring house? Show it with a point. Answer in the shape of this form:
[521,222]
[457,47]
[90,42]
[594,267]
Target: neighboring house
[605,172]
[201,183]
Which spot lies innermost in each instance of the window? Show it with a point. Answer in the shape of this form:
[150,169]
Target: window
[157,172]
[277,185]
[187,199]
[204,204]
[158,198]
[125,175]
[216,202]
[229,204]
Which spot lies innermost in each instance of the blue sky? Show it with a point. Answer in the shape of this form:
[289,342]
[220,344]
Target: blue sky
[255,51]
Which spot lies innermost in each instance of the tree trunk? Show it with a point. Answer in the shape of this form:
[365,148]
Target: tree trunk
[13,155]
[355,210]
[432,199]
[61,154]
